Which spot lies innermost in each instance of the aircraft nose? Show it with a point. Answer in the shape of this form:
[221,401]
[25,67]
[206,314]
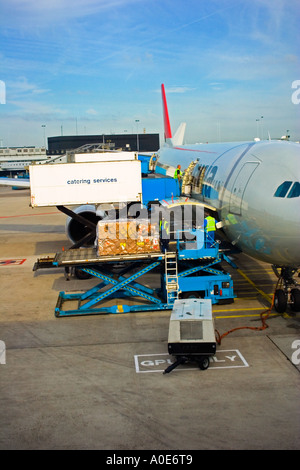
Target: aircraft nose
[286,209]
[282,221]
[270,223]
[275,193]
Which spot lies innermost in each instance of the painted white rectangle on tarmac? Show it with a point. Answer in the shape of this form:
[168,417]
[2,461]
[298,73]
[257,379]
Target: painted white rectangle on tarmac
[223,359]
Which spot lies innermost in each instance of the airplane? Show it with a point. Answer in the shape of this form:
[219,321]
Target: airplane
[253,190]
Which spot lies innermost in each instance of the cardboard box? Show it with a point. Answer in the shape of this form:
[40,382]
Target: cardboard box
[127,236]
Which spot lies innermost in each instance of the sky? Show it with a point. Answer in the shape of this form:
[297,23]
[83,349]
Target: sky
[83,67]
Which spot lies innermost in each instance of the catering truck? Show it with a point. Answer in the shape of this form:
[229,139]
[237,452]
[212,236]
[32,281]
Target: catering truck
[91,182]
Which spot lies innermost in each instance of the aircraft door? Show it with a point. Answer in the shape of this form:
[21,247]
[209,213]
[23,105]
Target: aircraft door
[197,178]
[239,187]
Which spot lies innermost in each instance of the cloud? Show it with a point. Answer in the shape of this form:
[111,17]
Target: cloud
[34,109]
[27,12]
[176,89]
[92,112]
[23,86]
[216,85]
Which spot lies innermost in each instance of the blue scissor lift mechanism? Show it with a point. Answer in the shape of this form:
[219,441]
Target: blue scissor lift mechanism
[185,271]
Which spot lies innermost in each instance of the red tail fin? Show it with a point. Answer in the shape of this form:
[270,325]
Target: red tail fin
[168,132]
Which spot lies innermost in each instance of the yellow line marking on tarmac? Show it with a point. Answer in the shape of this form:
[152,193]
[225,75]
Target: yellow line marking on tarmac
[245,298]
[244,316]
[268,297]
[243,282]
[244,292]
[238,309]
[254,285]
[261,271]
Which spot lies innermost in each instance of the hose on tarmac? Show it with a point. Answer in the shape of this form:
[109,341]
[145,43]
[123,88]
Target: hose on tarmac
[263,316]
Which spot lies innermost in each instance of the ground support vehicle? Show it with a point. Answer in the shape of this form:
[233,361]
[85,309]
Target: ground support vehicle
[186,265]
[184,272]
[191,333]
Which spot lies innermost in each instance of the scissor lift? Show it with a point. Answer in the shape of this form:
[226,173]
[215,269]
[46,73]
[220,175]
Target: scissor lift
[91,301]
[185,270]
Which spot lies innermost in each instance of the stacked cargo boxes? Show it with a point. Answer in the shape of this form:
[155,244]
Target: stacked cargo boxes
[127,236]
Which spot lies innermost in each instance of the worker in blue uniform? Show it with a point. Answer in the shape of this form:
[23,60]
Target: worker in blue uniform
[210,230]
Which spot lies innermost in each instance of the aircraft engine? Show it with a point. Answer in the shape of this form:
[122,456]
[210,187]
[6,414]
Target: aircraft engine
[75,230]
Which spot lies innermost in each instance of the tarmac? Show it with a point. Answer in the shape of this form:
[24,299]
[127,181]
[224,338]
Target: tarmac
[96,382]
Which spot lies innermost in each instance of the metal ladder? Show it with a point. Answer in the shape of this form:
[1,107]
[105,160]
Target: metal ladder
[171,276]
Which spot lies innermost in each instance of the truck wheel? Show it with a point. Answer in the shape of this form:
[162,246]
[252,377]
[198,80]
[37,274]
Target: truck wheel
[280,301]
[190,295]
[81,274]
[203,362]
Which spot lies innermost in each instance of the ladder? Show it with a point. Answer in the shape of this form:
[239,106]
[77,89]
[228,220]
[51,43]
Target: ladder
[171,273]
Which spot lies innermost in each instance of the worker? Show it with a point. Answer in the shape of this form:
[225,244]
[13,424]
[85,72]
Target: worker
[164,234]
[210,229]
[178,177]
[178,173]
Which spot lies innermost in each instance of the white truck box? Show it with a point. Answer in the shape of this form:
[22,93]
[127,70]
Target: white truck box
[104,156]
[66,184]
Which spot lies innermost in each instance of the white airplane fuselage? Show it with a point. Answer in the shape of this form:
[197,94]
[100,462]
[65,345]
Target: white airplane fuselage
[255,189]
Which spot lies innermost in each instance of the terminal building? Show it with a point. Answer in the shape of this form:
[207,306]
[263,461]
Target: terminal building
[131,142]
[17,159]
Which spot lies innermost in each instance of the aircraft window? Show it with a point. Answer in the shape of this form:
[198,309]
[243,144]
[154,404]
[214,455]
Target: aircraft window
[283,189]
[295,190]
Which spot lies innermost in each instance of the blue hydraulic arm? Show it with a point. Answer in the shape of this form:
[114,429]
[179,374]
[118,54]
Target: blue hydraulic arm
[119,285]
[205,268]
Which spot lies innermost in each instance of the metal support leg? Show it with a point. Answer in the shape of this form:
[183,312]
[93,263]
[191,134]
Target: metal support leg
[120,285]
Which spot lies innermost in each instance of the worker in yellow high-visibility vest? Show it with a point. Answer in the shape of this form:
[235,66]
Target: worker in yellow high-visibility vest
[210,230]
[178,177]
[164,234]
[178,173]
